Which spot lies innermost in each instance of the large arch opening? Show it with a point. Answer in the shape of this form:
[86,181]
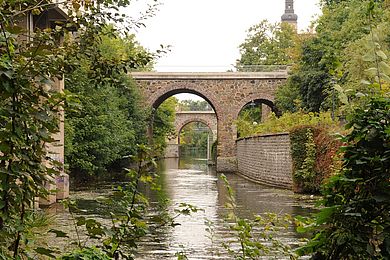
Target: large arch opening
[253,113]
[173,130]
[179,94]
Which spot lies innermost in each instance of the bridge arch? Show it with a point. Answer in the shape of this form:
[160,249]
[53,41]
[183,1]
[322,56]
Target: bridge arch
[184,118]
[179,88]
[226,92]
[265,99]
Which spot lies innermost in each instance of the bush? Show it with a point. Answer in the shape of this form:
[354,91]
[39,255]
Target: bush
[355,220]
[92,253]
[312,151]
[287,122]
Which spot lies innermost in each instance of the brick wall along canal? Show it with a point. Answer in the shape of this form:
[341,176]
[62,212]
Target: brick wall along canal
[192,181]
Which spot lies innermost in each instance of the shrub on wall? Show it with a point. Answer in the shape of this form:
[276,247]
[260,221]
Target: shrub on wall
[312,151]
[286,123]
[354,222]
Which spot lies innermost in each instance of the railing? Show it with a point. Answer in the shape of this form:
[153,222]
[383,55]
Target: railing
[262,68]
[222,68]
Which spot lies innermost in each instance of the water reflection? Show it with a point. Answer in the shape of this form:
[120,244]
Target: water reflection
[192,181]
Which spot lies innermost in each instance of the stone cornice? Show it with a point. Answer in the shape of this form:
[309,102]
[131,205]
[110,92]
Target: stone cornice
[208,75]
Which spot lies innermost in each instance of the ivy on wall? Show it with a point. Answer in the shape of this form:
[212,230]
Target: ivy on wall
[312,150]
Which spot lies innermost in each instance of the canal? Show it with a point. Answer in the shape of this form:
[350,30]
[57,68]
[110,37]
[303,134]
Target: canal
[192,181]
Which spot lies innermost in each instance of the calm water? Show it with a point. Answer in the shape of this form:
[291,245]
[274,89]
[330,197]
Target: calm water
[193,181]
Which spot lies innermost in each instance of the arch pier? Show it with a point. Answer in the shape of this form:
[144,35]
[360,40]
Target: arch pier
[226,92]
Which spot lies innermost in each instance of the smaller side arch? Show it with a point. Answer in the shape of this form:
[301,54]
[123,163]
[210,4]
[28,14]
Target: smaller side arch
[268,101]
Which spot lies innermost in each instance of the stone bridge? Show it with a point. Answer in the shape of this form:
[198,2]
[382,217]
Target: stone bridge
[226,92]
[182,119]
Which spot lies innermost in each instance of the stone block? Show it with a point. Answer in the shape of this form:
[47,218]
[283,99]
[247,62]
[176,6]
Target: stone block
[227,164]
[62,182]
[51,198]
[266,159]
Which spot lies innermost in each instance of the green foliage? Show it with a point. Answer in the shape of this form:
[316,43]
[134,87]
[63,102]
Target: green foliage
[31,66]
[355,220]
[29,112]
[303,153]
[194,105]
[127,209]
[89,253]
[194,135]
[288,98]
[128,223]
[306,172]
[267,44]
[286,123]
[247,119]
[311,80]
[110,117]
[338,53]
[313,152]
[110,114]
[255,238]
[163,124]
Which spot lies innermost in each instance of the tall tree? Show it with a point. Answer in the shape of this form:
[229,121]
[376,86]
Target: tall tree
[330,55]
[267,44]
[110,121]
[29,63]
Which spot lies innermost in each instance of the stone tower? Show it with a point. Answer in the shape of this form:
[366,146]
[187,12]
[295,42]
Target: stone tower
[289,16]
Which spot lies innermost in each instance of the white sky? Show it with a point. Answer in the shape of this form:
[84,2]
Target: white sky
[205,34]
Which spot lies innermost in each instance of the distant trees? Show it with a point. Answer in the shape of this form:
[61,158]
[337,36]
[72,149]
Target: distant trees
[267,44]
[194,105]
[335,54]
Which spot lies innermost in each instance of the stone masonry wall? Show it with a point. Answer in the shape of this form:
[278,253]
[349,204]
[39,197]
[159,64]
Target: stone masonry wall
[266,159]
[227,93]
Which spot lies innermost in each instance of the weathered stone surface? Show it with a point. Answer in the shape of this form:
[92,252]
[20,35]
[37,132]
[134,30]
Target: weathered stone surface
[172,150]
[62,182]
[266,159]
[226,92]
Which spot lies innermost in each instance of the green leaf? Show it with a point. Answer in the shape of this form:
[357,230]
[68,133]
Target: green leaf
[384,67]
[385,77]
[372,72]
[80,221]
[325,214]
[381,54]
[45,251]
[368,58]
[58,233]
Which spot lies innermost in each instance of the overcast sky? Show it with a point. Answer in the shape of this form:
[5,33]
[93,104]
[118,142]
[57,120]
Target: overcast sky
[205,34]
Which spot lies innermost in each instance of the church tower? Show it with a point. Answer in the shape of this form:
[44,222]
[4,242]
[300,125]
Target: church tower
[289,16]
